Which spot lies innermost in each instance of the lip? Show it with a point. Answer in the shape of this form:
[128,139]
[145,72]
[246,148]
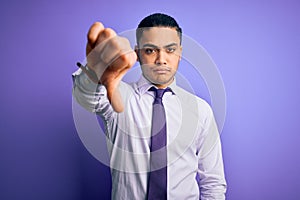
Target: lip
[161,70]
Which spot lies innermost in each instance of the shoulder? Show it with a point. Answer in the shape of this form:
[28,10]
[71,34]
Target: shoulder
[194,107]
[189,99]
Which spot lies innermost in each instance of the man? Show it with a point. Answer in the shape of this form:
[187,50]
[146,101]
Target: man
[161,147]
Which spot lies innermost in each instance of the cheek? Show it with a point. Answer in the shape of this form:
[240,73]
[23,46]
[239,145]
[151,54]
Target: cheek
[175,64]
[146,59]
[145,69]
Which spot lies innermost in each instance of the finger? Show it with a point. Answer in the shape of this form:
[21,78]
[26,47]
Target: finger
[114,73]
[114,48]
[93,35]
[106,33]
[94,32]
[98,39]
[108,51]
[124,62]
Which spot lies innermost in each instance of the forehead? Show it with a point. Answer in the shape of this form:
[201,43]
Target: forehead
[159,36]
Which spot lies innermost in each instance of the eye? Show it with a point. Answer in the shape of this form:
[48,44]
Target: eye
[149,51]
[171,49]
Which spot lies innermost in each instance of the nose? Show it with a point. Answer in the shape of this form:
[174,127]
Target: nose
[161,58]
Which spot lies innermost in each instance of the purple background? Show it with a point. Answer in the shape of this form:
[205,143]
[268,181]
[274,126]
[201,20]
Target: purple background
[255,45]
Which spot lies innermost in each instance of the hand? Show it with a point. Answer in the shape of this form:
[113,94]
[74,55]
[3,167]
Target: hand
[110,57]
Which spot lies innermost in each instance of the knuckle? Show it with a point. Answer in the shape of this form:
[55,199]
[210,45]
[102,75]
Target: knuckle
[113,42]
[108,33]
[98,24]
[123,58]
[125,41]
[105,34]
[127,59]
[131,58]
[93,31]
[91,37]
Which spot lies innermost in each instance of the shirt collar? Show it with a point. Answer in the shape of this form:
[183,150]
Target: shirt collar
[143,85]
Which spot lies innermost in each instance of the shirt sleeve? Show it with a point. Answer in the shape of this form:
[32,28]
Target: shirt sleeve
[91,96]
[212,183]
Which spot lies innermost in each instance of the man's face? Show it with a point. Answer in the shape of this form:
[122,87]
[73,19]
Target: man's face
[159,53]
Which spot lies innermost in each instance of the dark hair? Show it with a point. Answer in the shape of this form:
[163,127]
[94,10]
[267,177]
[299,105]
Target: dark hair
[157,20]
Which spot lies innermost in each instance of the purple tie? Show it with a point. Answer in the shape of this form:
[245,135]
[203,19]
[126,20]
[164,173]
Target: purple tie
[157,185]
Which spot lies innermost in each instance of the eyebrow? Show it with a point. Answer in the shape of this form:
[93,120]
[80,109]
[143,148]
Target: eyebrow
[156,47]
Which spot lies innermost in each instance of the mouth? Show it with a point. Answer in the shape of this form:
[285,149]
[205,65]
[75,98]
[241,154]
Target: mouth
[161,70]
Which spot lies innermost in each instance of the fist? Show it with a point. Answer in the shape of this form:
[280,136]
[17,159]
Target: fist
[109,56]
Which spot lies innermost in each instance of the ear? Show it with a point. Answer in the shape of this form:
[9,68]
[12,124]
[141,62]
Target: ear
[180,54]
[137,53]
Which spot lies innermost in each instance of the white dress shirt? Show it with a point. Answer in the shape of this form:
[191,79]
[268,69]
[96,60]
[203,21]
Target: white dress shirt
[193,142]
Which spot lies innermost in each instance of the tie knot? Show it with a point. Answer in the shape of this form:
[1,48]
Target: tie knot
[159,93]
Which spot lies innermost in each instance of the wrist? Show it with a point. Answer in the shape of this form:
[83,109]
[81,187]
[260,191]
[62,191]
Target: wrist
[89,72]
